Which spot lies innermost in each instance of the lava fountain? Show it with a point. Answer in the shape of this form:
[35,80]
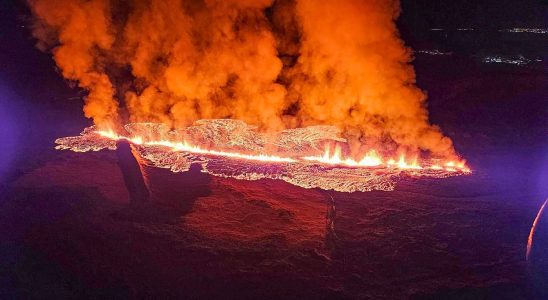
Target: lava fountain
[309,157]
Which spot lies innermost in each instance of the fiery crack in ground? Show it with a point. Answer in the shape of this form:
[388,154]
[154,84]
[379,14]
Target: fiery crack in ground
[309,157]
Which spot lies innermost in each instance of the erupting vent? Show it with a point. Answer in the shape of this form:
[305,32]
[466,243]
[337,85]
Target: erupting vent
[308,157]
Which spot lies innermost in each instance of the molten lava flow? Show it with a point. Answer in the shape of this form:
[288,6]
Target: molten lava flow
[371,159]
[185,147]
[237,150]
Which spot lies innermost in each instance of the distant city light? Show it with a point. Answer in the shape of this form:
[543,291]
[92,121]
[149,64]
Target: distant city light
[434,52]
[512,30]
[527,30]
[519,61]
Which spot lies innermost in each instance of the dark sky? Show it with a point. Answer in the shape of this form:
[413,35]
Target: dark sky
[420,15]
[442,13]
[475,13]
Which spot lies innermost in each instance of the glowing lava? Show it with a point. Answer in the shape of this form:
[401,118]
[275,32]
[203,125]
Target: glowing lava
[185,147]
[371,159]
[310,157]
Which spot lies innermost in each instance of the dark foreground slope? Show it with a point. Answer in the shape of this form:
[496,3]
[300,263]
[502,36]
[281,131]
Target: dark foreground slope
[69,231]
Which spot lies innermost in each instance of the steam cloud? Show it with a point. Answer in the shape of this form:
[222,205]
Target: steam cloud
[275,64]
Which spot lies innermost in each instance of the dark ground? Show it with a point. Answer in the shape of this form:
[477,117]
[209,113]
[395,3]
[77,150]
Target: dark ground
[67,230]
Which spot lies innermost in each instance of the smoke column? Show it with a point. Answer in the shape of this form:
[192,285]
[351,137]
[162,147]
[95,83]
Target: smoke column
[353,72]
[275,64]
[77,32]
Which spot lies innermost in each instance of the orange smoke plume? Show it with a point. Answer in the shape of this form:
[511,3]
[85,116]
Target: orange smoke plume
[79,33]
[276,64]
[353,72]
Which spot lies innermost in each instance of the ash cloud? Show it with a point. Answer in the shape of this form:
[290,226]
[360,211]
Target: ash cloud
[276,64]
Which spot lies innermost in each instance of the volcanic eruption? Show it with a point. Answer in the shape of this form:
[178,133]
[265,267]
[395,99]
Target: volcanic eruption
[316,93]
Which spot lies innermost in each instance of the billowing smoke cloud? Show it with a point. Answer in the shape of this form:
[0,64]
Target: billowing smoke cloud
[80,32]
[274,64]
[353,72]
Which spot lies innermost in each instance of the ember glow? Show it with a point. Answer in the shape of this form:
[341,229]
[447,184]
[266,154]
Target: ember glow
[303,156]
